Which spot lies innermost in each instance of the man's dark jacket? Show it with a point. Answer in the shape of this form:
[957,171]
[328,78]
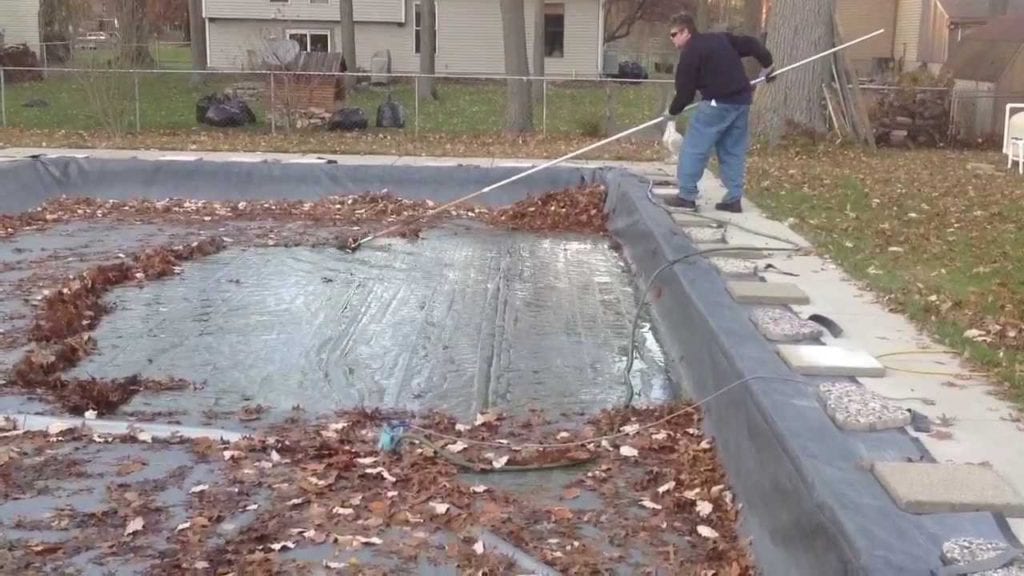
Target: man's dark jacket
[712,63]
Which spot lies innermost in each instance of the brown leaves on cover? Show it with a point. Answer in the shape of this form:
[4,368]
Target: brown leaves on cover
[571,210]
[66,316]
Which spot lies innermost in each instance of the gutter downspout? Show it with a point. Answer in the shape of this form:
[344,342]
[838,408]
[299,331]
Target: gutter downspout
[206,25]
[600,37]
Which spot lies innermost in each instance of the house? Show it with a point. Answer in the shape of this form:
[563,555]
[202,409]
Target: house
[988,73]
[917,32]
[19,23]
[469,33]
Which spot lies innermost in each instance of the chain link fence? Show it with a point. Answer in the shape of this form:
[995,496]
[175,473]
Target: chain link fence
[86,52]
[87,98]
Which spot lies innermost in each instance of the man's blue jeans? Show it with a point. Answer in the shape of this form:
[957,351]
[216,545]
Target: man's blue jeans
[722,127]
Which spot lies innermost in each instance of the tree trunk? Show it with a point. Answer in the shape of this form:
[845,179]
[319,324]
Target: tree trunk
[797,29]
[134,49]
[519,108]
[428,40]
[538,51]
[197,37]
[752,27]
[348,43]
[703,15]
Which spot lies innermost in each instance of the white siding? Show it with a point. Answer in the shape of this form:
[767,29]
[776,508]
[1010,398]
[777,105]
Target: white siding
[363,10]
[19,21]
[906,42]
[468,39]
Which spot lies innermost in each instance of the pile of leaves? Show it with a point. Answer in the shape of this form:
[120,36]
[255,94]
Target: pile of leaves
[571,210]
[324,487]
[933,232]
[60,332]
[20,56]
[451,145]
[579,209]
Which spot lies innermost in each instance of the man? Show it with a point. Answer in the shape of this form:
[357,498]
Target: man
[712,63]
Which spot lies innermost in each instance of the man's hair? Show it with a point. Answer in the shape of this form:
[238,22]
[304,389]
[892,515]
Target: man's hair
[684,20]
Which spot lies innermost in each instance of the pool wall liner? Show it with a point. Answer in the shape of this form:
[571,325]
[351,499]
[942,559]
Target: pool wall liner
[811,505]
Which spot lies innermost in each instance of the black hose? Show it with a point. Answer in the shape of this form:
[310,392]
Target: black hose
[643,299]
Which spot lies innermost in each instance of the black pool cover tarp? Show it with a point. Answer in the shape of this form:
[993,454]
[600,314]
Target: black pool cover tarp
[811,505]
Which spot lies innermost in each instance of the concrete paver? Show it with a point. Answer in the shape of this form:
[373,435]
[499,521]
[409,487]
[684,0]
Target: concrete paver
[961,551]
[756,292]
[854,407]
[933,488]
[705,235]
[830,361]
[686,220]
[781,325]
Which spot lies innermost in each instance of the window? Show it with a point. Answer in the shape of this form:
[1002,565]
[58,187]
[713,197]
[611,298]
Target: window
[279,1]
[319,1]
[554,30]
[418,24]
[311,40]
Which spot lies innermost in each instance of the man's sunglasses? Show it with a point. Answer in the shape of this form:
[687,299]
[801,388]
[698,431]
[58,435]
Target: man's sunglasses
[673,33]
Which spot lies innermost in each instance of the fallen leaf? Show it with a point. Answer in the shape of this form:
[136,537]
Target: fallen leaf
[440,508]
[456,447]
[716,490]
[297,501]
[339,511]
[462,428]
[480,489]
[367,461]
[372,541]
[692,494]
[563,436]
[478,547]
[134,526]
[333,565]
[274,456]
[571,493]
[130,467]
[338,426]
[199,488]
[90,414]
[382,472]
[707,532]
[650,505]
[277,546]
[666,486]
[485,418]
[231,455]
[704,508]
[629,451]
[378,508]
[941,435]
[561,513]
[629,429]
[499,463]
[182,526]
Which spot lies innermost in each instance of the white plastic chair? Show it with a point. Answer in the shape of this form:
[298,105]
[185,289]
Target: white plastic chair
[1013,136]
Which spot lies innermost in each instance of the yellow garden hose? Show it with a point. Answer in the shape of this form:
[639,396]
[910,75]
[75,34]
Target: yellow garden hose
[949,373]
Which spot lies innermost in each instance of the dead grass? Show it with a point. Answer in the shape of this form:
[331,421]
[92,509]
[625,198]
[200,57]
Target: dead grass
[462,146]
[938,239]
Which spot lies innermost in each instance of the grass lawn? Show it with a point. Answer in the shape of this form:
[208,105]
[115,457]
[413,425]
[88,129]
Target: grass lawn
[167,102]
[940,241]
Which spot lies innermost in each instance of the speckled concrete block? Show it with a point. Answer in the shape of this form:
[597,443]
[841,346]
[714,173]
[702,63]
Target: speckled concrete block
[854,407]
[747,292]
[706,235]
[830,361]
[968,550]
[733,266]
[781,325]
[736,251]
[927,488]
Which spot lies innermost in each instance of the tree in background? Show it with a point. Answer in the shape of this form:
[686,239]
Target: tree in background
[168,15]
[428,46]
[348,42]
[59,21]
[621,15]
[796,29]
[133,22]
[539,50]
[197,37]
[519,104]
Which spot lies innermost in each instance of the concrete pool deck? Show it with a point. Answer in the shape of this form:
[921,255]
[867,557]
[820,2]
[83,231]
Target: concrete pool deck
[979,432]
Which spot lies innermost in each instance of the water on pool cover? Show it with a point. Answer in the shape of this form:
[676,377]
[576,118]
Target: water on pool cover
[466,319]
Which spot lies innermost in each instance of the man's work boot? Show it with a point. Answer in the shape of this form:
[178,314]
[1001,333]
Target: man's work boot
[736,206]
[679,202]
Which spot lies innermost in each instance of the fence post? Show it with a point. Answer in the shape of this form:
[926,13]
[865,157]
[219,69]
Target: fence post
[138,111]
[3,99]
[157,53]
[544,105]
[273,106]
[416,105]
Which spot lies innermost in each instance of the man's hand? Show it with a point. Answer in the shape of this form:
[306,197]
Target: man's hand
[768,74]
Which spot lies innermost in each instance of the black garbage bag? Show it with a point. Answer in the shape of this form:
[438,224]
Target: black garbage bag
[629,70]
[390,114]
[203,106]
[348,119]
[224,112]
